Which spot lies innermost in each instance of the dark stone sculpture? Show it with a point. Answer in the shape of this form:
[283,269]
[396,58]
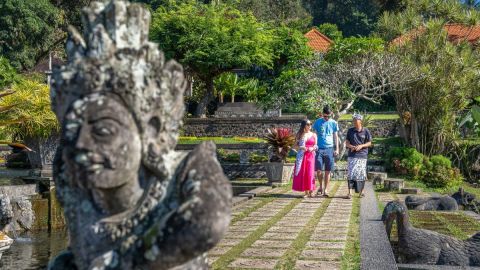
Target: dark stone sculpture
[467,200]
[6,213]
[419,246]
[130,200]
[442,203]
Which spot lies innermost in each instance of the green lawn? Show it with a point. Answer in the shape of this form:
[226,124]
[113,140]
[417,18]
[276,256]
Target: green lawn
[467,187]
[219,140]
[373,117]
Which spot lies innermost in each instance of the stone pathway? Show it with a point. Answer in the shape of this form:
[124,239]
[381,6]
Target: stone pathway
[325,247]
[262,239]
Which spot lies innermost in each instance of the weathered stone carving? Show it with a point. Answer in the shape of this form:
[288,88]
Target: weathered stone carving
[130,200]
[6,216]
[419,246]
[467,200]
[442,203]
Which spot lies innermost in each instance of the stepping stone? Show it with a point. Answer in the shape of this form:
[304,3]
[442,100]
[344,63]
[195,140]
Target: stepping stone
[377,177]
[291,223]
[255,218]
[306,265]
[263,252]
[254,263]
[329,237]
[325,245]
[280,236]
[263,214]
[322,254]
[229,242]
[237,235]
[394,184]
[250,223]
[218,251]
[411,190]
[285,229]
[295,219]
[235,228]
[330,224]
[272,244]
[331,230]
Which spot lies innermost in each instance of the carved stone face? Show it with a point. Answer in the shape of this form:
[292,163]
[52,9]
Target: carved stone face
[104,152]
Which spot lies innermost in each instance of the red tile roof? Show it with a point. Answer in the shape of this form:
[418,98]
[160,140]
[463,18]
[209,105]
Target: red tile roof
[456,33]
[318,41]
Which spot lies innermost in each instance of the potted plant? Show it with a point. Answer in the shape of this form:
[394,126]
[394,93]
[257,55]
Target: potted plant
[280,141]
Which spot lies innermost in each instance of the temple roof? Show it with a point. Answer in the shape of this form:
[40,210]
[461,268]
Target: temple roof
[318,41]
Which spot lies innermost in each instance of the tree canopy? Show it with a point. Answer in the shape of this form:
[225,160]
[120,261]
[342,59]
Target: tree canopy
[27,30]
[211,39]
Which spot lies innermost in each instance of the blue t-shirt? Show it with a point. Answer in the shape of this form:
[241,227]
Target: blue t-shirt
[325,130]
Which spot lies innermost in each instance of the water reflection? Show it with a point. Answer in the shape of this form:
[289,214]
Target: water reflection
[35,253]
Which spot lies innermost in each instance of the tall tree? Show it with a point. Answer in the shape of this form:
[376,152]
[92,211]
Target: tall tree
[210,40]
[417,13]
[278,12]
[353,17]
[28,29]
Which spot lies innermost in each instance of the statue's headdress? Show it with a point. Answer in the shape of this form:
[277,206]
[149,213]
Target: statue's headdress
[114,57]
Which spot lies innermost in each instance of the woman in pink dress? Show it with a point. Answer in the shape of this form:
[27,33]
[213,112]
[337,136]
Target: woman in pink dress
[304,173]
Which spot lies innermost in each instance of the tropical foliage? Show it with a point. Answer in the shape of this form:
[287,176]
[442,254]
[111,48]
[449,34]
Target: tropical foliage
[29,111]
[280,142]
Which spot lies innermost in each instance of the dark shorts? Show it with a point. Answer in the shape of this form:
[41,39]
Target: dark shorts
[324,160]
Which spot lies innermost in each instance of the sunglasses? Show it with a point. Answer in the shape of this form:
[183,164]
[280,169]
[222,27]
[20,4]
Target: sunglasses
[326,116]
[309,124]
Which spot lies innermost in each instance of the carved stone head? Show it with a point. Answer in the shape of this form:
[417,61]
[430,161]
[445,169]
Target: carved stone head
[127,195]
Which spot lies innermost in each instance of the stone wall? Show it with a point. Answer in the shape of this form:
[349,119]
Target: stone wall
[256,127]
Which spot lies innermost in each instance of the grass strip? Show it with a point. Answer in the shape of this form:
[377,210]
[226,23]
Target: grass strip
[234,252]
[288,260]
[351,256]
[454,230]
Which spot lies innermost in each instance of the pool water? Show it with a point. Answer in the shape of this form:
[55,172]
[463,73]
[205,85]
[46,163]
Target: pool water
[33,250]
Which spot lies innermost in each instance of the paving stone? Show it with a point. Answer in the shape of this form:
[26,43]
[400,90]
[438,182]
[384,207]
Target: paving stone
[322,254]
[272,243]
[325,245]
[292,223]
[235,228]
[331,224]
[329,237]
[229,242]
[250,223]
[280,236]
[330,230]
[235,235]
[218,251]
[254,263]
[305,265]
[263,252]
[255,218]
[295,219]
[263,214]
[285,229]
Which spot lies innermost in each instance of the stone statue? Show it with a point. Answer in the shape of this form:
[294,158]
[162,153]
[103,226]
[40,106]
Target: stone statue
[6,217]
[467,200]
[420,246]
[441,203]
[130,200]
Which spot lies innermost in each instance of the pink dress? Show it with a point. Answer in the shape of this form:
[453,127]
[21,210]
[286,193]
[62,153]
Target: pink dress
[304,173]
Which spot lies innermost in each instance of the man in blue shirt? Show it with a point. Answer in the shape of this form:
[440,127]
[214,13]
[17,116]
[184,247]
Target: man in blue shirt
[327,138]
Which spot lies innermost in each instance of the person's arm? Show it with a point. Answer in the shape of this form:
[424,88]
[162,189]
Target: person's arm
[368,140]
[314,147]
[335,137]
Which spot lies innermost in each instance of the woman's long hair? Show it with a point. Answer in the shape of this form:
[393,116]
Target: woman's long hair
[301,131]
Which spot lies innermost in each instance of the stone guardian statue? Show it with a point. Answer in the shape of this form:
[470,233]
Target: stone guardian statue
[130,200]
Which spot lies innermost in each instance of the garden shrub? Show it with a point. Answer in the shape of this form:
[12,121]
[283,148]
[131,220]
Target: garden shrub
[438,174]
[405,160]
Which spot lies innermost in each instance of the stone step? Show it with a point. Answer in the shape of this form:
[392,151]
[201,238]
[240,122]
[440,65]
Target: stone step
[411,190]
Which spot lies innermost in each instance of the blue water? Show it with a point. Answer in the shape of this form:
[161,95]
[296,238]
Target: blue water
[33,250]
